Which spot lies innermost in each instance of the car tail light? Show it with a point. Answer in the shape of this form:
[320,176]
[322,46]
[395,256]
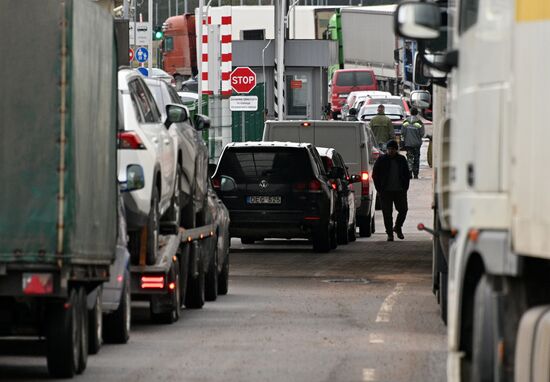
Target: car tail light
[130,140]
[37,283]
[375,153]
[216,183]
[152,282]
[333,185]
[365,186]
[314,185]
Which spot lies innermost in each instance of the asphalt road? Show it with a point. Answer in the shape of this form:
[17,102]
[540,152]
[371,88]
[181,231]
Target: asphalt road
[364,312]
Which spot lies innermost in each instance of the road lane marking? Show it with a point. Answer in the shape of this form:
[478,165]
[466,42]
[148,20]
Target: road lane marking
[369,375]
[375,338]
[389,302]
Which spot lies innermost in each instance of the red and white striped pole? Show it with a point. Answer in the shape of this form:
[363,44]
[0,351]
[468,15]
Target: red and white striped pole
[206,21]
[226,50]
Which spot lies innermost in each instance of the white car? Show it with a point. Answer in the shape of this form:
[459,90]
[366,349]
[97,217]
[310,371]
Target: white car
[160,74]
[144,139]
[357,98]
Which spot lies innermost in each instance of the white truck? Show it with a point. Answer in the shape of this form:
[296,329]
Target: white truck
[369,42]
[492,183]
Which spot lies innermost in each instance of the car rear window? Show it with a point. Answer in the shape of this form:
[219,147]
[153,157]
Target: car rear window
[359,78]
[280,165]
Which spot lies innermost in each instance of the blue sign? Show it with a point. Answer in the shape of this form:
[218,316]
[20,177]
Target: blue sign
[142,54]
[144,72]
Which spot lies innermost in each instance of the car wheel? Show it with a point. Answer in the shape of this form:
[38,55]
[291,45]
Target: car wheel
[172,312]
[211,291]
[116,325]
[195,296]
[342,229]
[153,230]
[321,239]
[333,236]
[223,281]
[352,233]
[365,226]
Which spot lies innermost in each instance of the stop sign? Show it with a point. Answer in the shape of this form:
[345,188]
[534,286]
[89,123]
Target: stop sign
[243,79]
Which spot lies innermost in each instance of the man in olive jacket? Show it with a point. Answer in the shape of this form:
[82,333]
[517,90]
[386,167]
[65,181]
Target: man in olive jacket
[382,128]
[391,178]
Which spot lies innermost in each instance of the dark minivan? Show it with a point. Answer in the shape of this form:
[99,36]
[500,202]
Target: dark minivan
[276,190]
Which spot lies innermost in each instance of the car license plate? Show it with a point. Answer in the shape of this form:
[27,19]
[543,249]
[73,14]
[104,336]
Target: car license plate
[263,199]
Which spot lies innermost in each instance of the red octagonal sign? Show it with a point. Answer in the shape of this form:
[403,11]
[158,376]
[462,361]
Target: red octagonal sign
[243,79]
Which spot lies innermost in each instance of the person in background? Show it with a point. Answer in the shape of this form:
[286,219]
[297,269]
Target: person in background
[412,133]
[391,178]
[382,128]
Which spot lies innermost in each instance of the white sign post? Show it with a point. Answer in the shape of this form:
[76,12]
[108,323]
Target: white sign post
[144,34]
[243,103]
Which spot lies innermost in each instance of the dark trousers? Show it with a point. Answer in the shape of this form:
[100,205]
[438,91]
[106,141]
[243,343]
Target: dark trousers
[387,200]
[413,158]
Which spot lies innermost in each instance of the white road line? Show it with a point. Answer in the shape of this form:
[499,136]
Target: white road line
[389,302]
[375,338]
[369,375]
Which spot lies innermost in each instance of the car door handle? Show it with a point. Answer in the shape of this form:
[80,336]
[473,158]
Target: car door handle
[155,140]
[167,141]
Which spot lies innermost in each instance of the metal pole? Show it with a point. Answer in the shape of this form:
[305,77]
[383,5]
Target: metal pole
[169,8]
[126,10]
[280,59]
[199,55]
[243,129]
[150,46]
[185,6]
[177,7]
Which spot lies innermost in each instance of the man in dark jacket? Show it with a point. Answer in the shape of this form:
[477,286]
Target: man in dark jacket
[391,178]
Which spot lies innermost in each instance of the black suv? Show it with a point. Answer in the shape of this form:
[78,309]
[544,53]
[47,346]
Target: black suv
[276,189]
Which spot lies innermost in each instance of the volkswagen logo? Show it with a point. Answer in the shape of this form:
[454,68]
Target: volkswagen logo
[264,184]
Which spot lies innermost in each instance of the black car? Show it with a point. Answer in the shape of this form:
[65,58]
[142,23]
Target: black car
[191,85]
[337,171]
[277,190]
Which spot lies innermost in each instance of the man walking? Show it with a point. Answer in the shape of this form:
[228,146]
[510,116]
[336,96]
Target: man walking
[412,133]
[382,128]
[391,178]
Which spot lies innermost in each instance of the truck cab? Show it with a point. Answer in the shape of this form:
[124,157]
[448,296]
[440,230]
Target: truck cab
[179,55]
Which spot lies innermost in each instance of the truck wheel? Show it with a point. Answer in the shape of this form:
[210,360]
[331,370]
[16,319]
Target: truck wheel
[443,295]
[83,317]
[194,298]
[153,230]
[172,313]
[321,239]
[483,335]
[184,271]
[95,325]
[223,281]
[116,325]
[63,338]
[365,226]
[342,232]
[211,291]
[373,225]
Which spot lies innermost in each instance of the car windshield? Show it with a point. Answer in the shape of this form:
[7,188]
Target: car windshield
[359,78]
[282,165]
[387,101]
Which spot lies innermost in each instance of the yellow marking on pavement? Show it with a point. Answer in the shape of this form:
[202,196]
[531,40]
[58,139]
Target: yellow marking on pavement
[532,10]
[389,302]
[369,375]
[375,338]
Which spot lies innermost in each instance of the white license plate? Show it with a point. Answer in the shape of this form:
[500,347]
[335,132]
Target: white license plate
[263,199]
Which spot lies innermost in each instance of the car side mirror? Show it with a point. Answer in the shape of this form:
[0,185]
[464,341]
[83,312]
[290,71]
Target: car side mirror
[202,122]
[420,99]
[228,184]
[417,21]
[135,179]
[355,178]
[175,114]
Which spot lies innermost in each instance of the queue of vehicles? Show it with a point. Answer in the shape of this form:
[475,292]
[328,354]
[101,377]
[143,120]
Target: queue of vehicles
[115,206]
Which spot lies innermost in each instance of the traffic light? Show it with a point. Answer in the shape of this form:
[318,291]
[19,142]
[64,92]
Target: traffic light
[158,34]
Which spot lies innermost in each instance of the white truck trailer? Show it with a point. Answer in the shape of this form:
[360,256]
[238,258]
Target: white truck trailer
[369,42]
[496,188]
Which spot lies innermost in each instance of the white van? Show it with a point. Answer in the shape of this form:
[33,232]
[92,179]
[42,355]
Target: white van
[353,140]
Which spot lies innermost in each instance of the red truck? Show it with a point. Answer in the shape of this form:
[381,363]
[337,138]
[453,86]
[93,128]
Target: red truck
[179,54]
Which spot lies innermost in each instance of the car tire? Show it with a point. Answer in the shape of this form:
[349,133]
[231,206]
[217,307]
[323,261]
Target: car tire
[63,337]
[365,226]
[153,230]
[116,325]
[223,280]
[373,225]
[322,239]
[352,233]
[195,296]
[211,285]
[343,232]
[333,237]
[175,215]
[83,317]
[443,296]
[95,325]
[173,312]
